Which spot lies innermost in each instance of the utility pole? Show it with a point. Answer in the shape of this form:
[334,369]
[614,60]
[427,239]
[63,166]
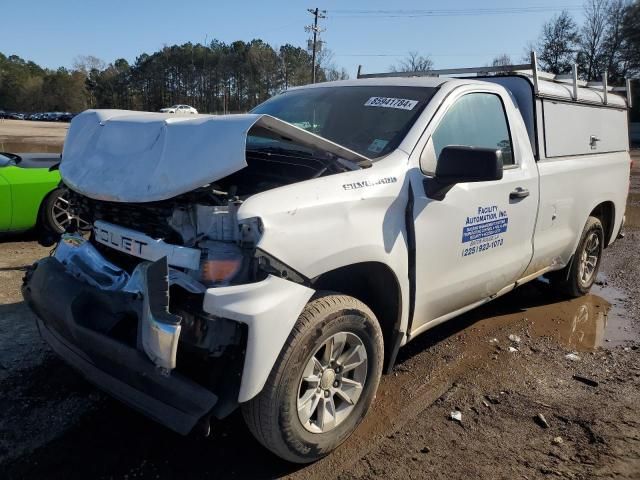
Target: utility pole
[316,31]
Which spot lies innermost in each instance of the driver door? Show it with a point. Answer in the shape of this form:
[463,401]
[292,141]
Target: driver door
[478,239]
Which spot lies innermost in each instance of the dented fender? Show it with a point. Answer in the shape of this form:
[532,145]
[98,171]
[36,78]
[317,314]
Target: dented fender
[270,309]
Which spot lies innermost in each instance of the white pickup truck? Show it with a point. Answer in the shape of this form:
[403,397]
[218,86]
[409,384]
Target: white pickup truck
[278,260]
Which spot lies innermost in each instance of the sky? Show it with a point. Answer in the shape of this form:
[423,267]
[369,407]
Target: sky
[374,33]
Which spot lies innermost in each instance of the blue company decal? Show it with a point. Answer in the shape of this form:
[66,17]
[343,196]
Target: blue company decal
[483,230]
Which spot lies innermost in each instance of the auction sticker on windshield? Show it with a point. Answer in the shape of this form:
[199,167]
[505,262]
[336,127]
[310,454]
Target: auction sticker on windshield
[377,145]
[386,102]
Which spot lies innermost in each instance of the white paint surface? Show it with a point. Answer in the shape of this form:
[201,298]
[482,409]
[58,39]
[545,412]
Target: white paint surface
[269,309]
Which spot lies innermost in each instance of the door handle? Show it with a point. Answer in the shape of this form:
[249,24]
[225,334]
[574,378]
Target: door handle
[519,193]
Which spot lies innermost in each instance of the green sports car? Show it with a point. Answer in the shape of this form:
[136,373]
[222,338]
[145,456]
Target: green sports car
[30,194]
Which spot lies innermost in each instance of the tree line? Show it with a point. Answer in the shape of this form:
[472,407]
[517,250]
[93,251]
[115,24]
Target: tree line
[217,77]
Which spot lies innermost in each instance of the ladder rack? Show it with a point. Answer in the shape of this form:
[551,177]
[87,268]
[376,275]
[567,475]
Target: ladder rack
[529,69]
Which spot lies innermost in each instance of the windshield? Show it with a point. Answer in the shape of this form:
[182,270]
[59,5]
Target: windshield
[371,120]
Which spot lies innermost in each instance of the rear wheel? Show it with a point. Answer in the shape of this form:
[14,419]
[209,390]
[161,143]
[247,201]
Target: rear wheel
[323,382]
[577,278]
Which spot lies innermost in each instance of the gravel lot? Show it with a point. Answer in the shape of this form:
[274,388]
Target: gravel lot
[55,425]
[20,136]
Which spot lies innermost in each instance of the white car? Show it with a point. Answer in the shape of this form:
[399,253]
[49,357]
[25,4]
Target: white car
[241,260]
[179,109]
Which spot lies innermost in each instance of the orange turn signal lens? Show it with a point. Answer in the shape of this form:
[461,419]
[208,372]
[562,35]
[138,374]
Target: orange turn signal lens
[214,271]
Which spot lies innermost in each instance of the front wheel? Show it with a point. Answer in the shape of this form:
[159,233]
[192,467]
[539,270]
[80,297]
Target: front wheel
[56,212]
[323,382]
[56,215]
[577,278]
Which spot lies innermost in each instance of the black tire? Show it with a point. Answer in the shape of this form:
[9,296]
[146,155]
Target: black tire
[570,280]
[272,416]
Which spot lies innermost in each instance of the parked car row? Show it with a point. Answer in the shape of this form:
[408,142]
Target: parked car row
[51,116]
[67,116]
[39,116]
[11,115]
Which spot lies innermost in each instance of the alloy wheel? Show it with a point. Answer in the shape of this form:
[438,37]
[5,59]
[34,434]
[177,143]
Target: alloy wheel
[62,215]
[589,258]
[331,383]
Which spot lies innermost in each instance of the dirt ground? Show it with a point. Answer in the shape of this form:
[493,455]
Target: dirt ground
[21,136]
[55,425]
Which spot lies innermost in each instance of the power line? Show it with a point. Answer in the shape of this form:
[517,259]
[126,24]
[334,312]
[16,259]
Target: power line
[317,14]
[435,11]
[430,54]
[451,12]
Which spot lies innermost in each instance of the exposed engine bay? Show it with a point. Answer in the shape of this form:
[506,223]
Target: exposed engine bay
[206,218]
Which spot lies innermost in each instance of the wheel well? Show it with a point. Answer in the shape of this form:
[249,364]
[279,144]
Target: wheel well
[375,285]
[42,206]
[605,212]
[46,237]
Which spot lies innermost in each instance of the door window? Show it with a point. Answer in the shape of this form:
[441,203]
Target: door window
[475,120]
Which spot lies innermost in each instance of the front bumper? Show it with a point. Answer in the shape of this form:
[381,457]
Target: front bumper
[75,319]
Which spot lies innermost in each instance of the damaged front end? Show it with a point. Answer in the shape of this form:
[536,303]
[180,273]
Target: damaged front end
[87,327]
[179,332]
[169,304]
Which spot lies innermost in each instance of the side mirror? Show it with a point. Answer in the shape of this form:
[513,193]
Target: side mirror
[458,164]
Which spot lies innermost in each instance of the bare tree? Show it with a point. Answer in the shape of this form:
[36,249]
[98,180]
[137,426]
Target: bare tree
[614,59]
[501,60]
[334,73]
[87,63]
[630,32]
[603,42]
[591,55]
[558,43]
[526,52]
[327,69]
[414,62]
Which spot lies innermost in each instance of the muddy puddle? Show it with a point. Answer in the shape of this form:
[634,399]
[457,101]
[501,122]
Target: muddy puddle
[585,323]
[596,320]
[29,147]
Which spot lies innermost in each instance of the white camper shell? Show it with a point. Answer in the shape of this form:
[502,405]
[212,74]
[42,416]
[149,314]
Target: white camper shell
[277,260]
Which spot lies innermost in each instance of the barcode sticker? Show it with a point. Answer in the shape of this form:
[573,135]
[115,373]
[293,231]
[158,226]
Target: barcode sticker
[386,102]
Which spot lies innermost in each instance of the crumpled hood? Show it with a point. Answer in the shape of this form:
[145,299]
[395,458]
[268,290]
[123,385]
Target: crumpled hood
[126,156]
[141,157]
